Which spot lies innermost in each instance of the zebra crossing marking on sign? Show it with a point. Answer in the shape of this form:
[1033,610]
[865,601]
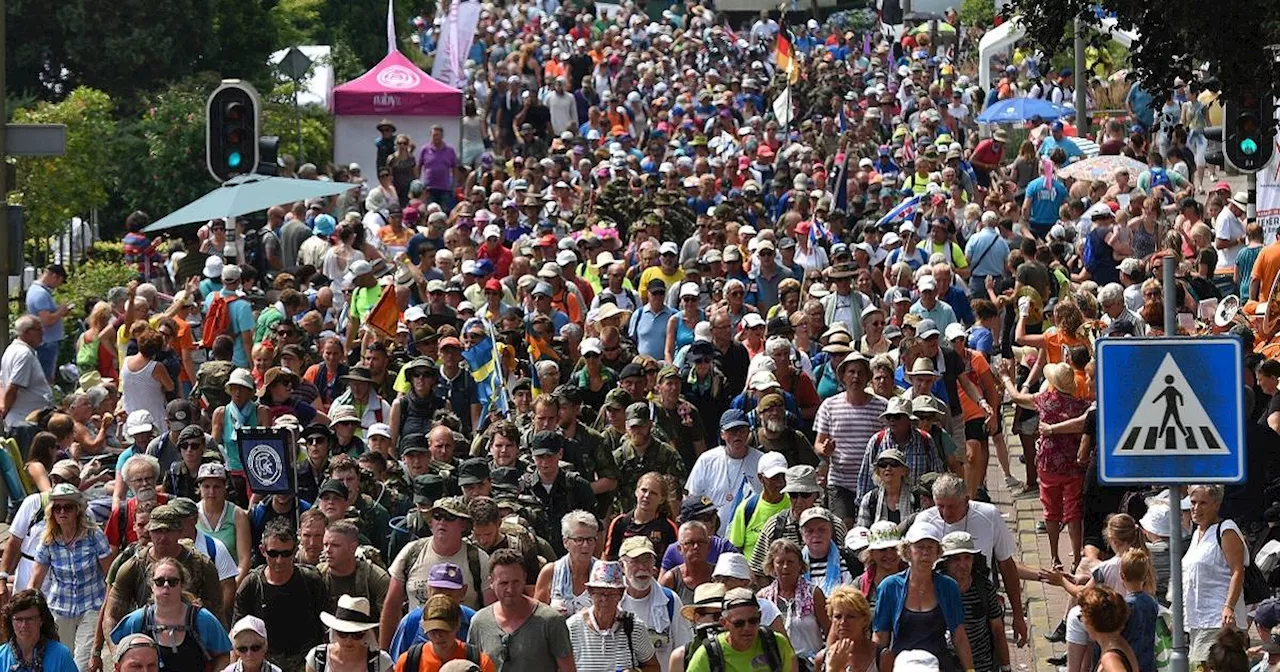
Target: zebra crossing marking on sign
[1170,419]
[1170,410]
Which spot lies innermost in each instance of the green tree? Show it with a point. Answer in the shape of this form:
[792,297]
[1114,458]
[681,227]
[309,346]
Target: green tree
[162,158]
[977,13]
[279,119]
[1178,38]
[55,188]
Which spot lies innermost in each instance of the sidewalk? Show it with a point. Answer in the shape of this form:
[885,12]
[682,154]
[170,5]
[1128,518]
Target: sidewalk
[1045,604]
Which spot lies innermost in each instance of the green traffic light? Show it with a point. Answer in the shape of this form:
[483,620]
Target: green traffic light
[1249,146]
[233,159]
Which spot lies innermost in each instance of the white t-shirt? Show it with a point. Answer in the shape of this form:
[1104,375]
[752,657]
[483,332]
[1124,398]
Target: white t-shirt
[725,481]
[653,608]
[1228,227]
[222,560]
[22,528]
[990,534]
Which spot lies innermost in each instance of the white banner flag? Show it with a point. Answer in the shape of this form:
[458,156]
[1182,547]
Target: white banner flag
[456,36]
[391,26]
[782,107]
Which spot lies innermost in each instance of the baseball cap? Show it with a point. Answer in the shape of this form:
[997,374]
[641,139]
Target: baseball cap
[445,575]
[772,464]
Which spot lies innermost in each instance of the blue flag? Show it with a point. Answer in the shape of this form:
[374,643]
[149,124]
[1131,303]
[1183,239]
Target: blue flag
[482,358]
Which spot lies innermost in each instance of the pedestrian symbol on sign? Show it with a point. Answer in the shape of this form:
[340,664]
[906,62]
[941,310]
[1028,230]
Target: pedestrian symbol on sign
[1170,420]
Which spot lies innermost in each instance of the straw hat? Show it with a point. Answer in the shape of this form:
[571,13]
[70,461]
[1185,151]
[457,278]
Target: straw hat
[1061,378]
[706,596]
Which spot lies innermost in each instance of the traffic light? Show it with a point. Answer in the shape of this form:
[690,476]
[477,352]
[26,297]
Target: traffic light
[268,155]
[233,116]
[1249,130]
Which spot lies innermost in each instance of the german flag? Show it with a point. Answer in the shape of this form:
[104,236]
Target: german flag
[784,57]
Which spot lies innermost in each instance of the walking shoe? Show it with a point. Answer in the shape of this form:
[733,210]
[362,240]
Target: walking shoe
[1012,482]
[1040,527]
[1057,661]
[1059,633]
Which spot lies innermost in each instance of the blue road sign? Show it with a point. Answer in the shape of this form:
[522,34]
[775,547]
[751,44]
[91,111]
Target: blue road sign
[1170,410]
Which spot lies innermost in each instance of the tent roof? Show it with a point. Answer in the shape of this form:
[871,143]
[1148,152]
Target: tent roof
[396,86]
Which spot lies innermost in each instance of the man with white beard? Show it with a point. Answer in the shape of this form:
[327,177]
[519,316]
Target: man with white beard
[658,607]
[776,435]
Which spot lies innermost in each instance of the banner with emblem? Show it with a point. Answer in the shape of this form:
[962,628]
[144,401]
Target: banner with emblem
[267,456]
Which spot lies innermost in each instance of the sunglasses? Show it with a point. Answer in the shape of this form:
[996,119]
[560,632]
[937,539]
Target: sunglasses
[59,508]
[349,635]
[255,648]
[887,464]
[744,622]
[279,554]
[420,373]
[444,517]
[166,581]
[192,445]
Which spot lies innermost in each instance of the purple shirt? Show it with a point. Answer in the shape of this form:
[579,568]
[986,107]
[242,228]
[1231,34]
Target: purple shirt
[437,166]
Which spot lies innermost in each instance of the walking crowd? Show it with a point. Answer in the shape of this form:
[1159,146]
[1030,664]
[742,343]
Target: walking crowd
[641,376]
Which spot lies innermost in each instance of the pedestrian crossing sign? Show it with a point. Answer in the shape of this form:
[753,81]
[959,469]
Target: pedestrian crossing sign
[1170,410]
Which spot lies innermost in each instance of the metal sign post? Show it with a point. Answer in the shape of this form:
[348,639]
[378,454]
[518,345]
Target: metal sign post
[1178,656]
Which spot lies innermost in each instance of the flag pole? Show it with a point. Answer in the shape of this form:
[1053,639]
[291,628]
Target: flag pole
[391,27]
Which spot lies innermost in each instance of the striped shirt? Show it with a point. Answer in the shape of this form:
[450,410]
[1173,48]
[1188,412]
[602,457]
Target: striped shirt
[981,606]
[921,455]
[851,427]
[608,651]
[785,526]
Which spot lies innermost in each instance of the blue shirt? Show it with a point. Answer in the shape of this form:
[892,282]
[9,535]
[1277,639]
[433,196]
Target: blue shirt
[649,330]
[40,300]
[212,637]
[1140,101]
[981,339]
[409,632]
[1140,629]
[1067,144]
[57,658]
[1045,200]
[891,600]
[241,314]
[986,252]
[959,302]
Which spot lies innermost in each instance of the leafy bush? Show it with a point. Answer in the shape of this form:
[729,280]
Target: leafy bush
[93,278]
[53,189]
[980,13]
[111,252]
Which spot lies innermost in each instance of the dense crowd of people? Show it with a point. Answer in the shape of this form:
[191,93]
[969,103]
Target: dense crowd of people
[640,376]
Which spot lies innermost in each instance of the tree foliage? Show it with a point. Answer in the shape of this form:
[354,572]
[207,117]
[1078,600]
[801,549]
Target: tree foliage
[55,188]
[1222,42]
[977,12]
[162,159]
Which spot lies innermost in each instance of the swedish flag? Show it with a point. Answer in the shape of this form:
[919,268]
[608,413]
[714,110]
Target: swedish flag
[482,358]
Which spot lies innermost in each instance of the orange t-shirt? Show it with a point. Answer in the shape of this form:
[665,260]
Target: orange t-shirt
[1084,385]
[1265,269]
[976,372]
[1057,346]
[432,663]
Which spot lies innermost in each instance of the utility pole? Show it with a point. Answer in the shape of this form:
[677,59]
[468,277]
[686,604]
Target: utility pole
[4,192]
[1081,83]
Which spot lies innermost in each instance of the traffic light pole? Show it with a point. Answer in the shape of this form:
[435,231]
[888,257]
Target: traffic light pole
[1252,211]
[1081,82]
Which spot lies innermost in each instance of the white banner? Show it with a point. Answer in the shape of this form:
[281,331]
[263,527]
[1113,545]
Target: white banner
[1269,198]
[782,107]
[456,37]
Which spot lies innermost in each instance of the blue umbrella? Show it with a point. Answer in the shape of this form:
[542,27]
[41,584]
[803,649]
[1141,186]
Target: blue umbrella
[1015,110]
[244,194]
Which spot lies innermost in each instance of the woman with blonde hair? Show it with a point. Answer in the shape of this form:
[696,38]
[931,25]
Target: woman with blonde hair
[169,618]
[75,556]
[93,352]
[918,608]
[1213,571]
[803,606]
[849,646]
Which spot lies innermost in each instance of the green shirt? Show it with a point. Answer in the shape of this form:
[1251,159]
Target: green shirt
[751,660]
[267,321]
[744,533]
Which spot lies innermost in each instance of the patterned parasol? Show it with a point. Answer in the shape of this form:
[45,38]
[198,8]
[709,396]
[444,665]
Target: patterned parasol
[1102,168]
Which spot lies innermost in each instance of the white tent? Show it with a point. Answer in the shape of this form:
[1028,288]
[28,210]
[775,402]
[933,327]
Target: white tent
[1003,37]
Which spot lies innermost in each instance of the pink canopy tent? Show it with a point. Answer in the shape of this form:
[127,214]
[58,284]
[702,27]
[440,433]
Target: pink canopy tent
[395,90]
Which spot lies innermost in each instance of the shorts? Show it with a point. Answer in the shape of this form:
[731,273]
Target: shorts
[1026,421]
[956,428]
[976,429]
[842,502]
[1199,642]
[1060,496]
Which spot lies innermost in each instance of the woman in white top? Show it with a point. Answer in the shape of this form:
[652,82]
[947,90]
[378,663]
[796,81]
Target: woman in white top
[353,642]
[144,381]
[563,583]
[603,640]
[1213,573]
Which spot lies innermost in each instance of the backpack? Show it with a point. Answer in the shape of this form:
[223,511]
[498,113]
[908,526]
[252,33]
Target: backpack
[413,657]
[1160,178]
[149,627]
[218,320]
[371,664]
[769,642]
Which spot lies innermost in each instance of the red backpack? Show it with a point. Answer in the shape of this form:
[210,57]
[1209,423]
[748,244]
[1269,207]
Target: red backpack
[217,321]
